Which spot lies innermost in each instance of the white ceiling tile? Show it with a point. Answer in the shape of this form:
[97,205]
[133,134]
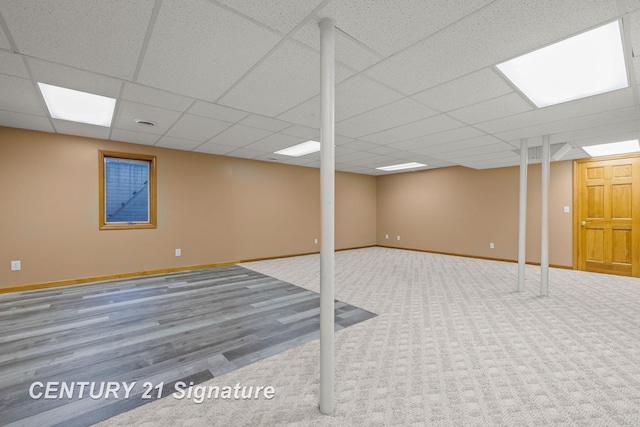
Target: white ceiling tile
[357,155]
[459,145]
[382,149]
[606,133]
[362,170]
[96,35]
[218,112]
[302,132]
[473,151]
[633,22]
[360,94]
[128,112]
[636,67]
[25,121]
[631,5]
[347,51]
[470,89]
[306,114]
[373,161]
[134,137]
[387,27]
[572,124]
[574,154]
[19,96]
[504,155]
[313,156]
[280,15]
[298,161]
[155,97]
[266,123]
[4,41]
[581,107]
[437,138]
[81,129]
[470,44]
[360,145]
[197,128]
[353,96]
[73,78]
[418,128]
[491,163]
[200,49]
[177,143]
[386,117]
[12,64]
[239,136]
[341,150]
[275,142]
[245,153]
[315,164]
[214,149]
[339,139]
[286,78]
[503,106]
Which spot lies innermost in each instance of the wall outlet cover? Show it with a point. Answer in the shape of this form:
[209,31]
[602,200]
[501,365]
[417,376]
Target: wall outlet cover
[16,265]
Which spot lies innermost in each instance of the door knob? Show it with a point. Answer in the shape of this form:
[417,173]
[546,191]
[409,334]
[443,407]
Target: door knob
[584,223]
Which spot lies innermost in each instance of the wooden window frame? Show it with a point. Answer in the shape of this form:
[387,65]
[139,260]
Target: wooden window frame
[152,223]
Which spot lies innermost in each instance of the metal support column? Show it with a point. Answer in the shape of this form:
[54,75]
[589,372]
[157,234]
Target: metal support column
[522,225]
[327,195]
[544,238]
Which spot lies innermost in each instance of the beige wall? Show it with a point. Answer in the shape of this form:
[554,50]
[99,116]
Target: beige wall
[214,208]
[459,210]
[219,209]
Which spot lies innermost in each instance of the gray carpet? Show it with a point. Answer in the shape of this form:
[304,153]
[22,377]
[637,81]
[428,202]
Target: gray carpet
[453,345]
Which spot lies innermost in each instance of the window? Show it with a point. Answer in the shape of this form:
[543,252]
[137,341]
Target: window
[127,191]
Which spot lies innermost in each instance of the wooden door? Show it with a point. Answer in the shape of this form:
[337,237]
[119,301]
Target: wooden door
[607,215]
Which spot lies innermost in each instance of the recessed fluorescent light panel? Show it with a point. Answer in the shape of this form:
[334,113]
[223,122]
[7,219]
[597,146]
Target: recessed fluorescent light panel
[402,166]
[613,148]
[76,106]
[587,64]
[301,149]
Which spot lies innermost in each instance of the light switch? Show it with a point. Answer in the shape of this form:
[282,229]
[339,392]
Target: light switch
[566,209]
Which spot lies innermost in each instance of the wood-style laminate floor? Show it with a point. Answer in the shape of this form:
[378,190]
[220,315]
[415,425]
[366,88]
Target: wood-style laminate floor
[188,326]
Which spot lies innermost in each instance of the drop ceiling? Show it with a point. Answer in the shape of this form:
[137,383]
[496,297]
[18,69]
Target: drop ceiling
[416,79]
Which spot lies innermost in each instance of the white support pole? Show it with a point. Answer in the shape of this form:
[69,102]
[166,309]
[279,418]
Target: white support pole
[544,238]
[522,225]
[327,196]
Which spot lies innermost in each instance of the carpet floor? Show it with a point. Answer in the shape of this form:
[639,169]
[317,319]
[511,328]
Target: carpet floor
[453,345]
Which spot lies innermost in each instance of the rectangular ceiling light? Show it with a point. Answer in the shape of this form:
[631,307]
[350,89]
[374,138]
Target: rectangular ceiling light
[401,166]
[76,106]
[613,148]
[301,149]
[587,64]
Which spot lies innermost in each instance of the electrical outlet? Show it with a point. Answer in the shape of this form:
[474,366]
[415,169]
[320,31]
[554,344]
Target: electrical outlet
[398,237]
[491,246]
[566,209]
[315,241]
[386,236]
[16,266]
[178,252]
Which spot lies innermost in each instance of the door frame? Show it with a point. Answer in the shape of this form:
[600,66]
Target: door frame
[576,198]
